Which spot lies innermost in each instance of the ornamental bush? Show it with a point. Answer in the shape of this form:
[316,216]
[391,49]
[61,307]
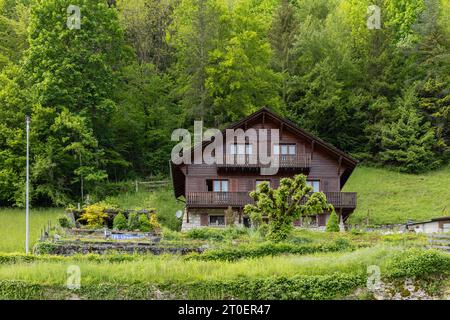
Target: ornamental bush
[65,222]
[133,221]
[333,223]
[94,215]
[293,199]
[154,224]
[144,223]
[416,263]
[120,222]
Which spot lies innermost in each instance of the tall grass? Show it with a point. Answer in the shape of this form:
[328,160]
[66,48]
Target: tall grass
[12,226]
[159,269]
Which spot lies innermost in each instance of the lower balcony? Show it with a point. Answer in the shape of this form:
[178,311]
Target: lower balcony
[344,200]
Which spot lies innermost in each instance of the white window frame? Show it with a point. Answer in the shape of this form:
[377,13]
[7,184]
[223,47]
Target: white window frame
[222,184]
[285,149]
[315,184]
[241,149]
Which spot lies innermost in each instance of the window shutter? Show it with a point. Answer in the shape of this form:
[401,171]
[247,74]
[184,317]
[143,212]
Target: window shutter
[204,219]
[233,185]
[250,184]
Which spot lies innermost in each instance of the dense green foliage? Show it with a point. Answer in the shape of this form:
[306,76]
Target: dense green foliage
[271,249]
[65,222]
[105,98]
[144,223]
[133,221]
[333,223]
[290,201]
[120,222]
[316,276]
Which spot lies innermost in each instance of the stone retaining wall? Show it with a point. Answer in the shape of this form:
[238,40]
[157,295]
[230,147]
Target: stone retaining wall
[75,247]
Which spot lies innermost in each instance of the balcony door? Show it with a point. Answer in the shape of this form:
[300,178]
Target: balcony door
[220,186]
[220,189]
[241,153]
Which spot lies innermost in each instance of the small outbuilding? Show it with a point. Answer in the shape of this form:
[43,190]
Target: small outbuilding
[435,225]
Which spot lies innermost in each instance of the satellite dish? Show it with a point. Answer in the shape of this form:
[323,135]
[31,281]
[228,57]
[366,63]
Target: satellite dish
[179,214]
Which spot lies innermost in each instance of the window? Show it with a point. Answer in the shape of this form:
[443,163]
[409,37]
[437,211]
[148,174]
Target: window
[285,149]
[315,184]
[216,220]
[220,185]
[241,149]
[258,182]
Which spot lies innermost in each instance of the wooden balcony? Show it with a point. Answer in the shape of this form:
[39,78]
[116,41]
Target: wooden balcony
[237,161]
[344,200]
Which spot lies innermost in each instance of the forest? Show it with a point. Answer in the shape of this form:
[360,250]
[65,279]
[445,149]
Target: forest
[104,98]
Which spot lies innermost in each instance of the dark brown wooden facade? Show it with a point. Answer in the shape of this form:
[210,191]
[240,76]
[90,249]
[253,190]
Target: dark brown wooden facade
[326,167]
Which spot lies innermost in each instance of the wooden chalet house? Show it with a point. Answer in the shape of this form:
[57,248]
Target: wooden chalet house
[210,190]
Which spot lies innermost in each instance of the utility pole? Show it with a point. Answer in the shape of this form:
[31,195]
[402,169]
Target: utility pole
[81,182]
[27,197]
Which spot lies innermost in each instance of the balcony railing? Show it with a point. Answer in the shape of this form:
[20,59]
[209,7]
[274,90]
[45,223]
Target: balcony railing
[254,161]
[240,199]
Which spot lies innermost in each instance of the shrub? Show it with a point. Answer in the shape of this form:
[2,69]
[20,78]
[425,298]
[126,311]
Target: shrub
[44,247]
[418,263]
[269,249]
[297,287]
[133,221]
[169,234]
[120,222]
[144,223]
[204,234]
[333,223]
[65,222]
[356,232]
[94,215]
[292,199]
[154,224]
[229,233]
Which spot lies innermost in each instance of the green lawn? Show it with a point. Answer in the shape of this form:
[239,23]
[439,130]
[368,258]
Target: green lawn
[12,224]
[394,197]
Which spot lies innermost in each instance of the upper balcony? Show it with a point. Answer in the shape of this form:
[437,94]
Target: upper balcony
[340,200]
[240,162]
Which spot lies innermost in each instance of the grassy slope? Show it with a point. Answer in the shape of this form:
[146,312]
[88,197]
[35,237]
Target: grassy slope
[395,197]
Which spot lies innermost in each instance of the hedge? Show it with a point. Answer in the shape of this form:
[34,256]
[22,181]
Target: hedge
[416,263]
[281,288]
[270,249]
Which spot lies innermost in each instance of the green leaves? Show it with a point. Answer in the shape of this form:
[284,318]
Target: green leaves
[292,199]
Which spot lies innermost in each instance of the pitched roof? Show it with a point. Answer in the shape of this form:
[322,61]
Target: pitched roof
[296,129]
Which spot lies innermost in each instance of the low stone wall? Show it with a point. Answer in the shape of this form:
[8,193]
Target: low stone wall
[195,218]
[67,248]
